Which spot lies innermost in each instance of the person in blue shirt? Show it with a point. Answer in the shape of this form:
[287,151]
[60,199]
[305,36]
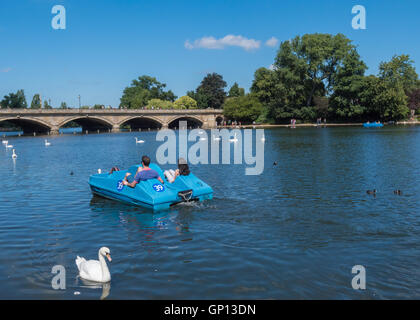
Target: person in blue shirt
[143,173]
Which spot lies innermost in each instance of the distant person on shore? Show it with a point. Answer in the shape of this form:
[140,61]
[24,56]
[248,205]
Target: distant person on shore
[144,173]
[183,170]
[325,122]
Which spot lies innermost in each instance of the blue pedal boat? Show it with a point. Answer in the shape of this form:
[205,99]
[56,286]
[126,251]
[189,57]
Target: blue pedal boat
[373,125]
[150,194]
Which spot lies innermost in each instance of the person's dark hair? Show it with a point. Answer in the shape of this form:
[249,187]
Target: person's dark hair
[145,160]
[183,168]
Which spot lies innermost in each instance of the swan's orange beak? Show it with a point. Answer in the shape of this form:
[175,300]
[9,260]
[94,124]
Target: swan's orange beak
[109,257]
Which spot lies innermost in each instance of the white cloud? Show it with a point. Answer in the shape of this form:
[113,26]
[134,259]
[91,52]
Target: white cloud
[272,42]
[229,40]
[5,70]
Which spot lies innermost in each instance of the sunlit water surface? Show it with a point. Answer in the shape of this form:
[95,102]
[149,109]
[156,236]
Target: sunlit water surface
[294,231]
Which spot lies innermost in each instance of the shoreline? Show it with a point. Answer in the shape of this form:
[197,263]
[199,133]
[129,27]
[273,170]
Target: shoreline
[352,124]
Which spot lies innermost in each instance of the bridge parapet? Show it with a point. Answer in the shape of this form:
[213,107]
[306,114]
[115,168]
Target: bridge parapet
[51,120]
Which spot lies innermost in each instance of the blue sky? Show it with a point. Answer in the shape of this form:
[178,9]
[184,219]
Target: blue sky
[108,43]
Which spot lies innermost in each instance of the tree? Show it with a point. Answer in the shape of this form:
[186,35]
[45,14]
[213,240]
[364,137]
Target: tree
[414,100]
[14,100]
[98,106]
[399,70]
[142,90]
[47,105]
[36,102]
[159,104]
[383,101]
[210,93]
[246,108]
[63,105]
[236,91]
[185,102]
[345,102]
[313,59]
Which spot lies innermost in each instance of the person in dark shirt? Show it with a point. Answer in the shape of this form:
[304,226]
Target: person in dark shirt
[143,173]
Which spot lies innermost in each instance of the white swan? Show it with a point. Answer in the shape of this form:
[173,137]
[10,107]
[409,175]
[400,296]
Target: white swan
[9,146]
[47,143]
[234,139]
[95,270]
[139,141]
[6,142]
[263,139]
[14,155]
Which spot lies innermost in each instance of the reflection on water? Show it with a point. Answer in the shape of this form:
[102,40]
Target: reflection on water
[293,232]
[106,287]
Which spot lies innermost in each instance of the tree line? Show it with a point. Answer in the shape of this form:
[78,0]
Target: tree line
[312,76]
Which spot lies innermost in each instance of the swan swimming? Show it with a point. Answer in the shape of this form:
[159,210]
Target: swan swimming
[95,270]
[47,143]
[14,155]
[139,141]
[6,142]
[9,146]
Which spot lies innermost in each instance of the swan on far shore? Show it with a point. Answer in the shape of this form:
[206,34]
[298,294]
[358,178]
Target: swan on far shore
[94,270]
[139,141]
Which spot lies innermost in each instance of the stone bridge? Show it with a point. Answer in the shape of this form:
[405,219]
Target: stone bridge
[51,120]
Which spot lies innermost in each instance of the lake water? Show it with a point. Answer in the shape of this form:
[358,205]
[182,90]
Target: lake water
[294,231]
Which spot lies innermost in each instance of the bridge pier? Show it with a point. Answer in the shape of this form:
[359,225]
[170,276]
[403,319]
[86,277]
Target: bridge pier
[115,128]
[54,131]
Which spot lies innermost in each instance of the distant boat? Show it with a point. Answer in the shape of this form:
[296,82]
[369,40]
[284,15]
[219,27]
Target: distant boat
[373,125]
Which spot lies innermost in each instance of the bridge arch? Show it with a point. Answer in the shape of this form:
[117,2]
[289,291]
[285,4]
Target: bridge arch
[90,123]
[142,122]
[192,122]
[28,124]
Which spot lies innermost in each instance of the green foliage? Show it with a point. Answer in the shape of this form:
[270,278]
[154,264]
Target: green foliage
[36,102]
[98,106]
[236,91]
[245,109]
[14,100]
[142,90]
[63,105]
[159,104]
[47,105]
[399,71]
[383,101]
[210,93]
[185,102]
